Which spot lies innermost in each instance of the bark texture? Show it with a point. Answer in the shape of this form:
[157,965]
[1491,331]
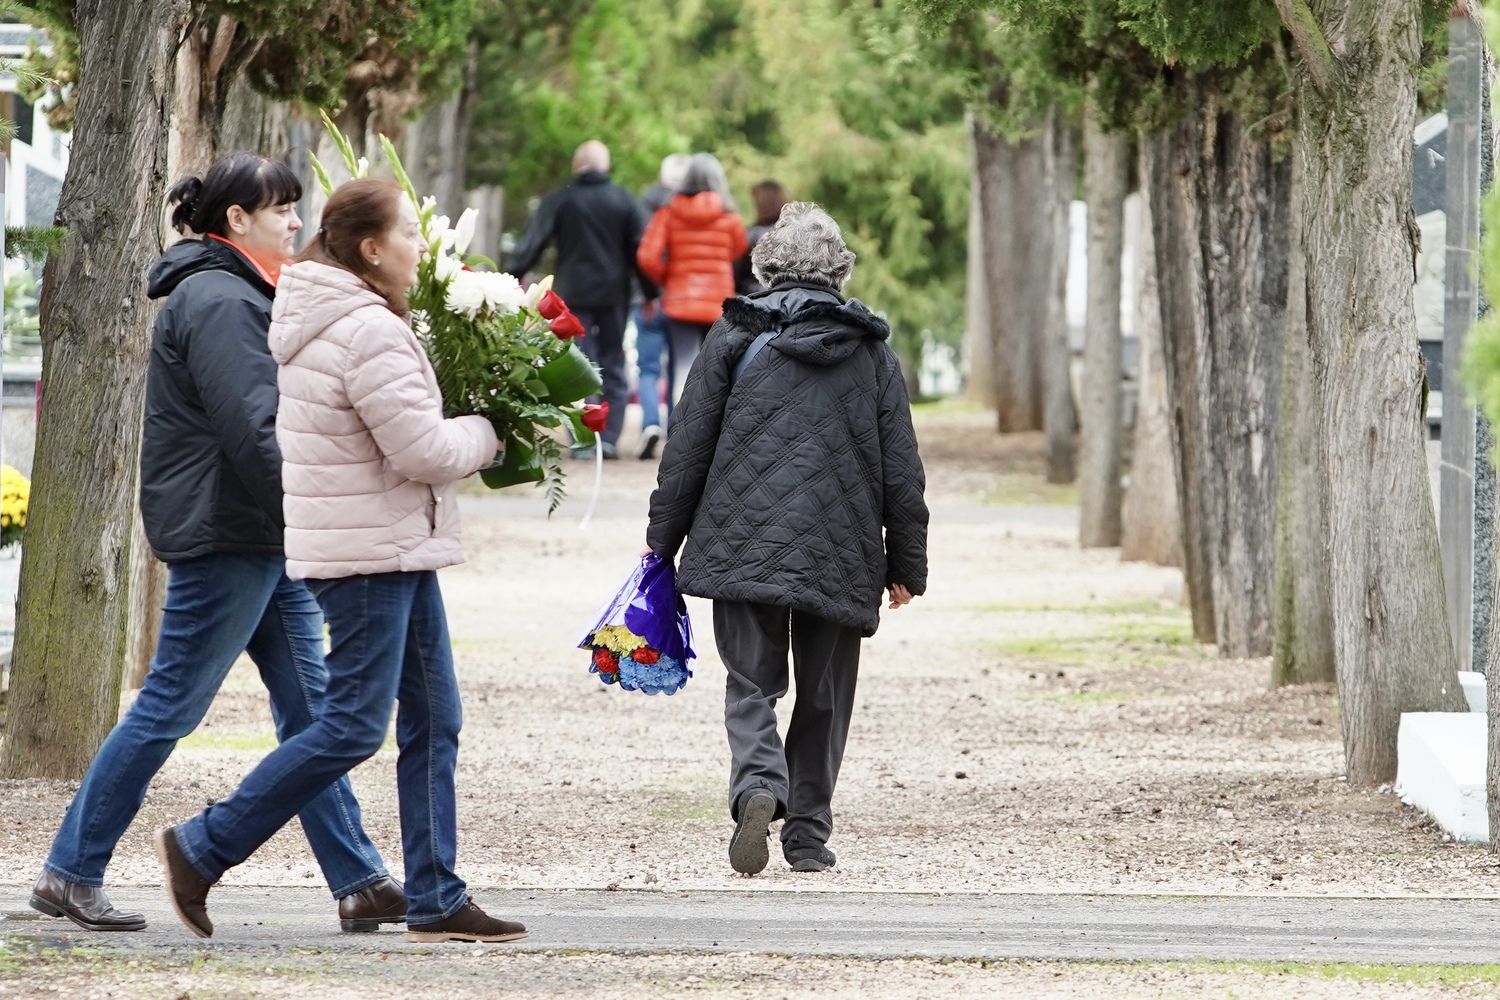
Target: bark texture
[1356,97]
[1302,652]
[73,615]
[1017,229]
[1106,157]
[1151,524]
[979,342]
[1059,412]
[1221,211]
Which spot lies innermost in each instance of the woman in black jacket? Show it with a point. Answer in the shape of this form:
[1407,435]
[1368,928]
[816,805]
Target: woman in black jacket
[211,503]
[793,488]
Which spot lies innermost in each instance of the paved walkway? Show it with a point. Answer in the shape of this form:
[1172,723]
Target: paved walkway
[861,925]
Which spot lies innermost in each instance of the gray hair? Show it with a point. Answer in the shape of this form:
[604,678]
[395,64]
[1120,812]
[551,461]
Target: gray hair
[674,168]
[706,173]
[804,245]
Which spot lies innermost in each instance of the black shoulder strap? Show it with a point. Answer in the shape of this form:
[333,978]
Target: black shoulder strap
[750,352]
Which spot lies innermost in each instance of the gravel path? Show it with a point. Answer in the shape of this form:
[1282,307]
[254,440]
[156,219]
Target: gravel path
[1041,721]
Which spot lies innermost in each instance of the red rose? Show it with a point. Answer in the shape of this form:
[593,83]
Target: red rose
[646,656]
[595,416]
[551,305]
[567,326]
[605,661]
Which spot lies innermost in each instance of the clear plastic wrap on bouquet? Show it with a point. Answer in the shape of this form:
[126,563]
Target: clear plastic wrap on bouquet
[642,638]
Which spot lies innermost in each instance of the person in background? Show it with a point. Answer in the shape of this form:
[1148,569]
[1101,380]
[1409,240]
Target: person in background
[371,468]
[795,501]
[650,323]
[211,501]
[596,226]
[770,198]
[689,249]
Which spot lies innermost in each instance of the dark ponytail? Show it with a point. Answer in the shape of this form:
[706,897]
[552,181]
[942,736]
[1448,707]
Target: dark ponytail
[248,180]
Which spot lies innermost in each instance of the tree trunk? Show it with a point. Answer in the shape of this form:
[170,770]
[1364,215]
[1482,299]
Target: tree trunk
[1357,111]
[1017,227]
[1060,416]
[435,146]
[73,616]
[1247,249]
[979,343]
[1302,652]
[1221,207]
[1105,160]
[1151,526]
[1172,159]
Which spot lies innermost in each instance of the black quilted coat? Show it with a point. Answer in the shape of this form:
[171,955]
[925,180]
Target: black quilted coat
[800,484]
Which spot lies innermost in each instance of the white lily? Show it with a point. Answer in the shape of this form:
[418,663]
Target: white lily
[362,167]
[445,267]
[536,291]
[463,232]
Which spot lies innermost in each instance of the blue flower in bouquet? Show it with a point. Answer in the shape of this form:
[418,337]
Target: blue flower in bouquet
[664,676]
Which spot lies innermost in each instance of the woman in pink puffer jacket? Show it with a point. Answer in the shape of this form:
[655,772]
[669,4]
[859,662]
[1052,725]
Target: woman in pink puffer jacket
[369,467]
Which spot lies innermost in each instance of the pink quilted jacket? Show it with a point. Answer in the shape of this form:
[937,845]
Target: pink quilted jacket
[369,464]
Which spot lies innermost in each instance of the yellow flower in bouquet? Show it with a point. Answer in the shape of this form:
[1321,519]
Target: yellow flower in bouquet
[618,639]
[15,497]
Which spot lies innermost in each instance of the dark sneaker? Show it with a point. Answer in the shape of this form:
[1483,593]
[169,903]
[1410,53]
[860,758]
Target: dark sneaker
[379,903]
[748,853]
[813,858]
[470,923]
[85,905]
[650,440]
[187,889]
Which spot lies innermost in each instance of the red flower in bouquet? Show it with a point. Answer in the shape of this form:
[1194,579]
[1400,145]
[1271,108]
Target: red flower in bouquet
[551,305]
[605,661]
[566,326]
[646,656]
[595,416]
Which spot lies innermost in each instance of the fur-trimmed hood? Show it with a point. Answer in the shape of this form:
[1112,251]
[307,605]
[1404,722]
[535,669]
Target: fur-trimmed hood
[818,326]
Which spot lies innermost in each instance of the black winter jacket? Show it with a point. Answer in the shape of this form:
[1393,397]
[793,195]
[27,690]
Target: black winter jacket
[799,485]
[210,468]
[597,226]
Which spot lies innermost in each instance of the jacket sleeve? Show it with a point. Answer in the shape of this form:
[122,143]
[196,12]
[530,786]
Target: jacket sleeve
[235,375]
[689,453]
[386,386]
[904,481]
[651,258]
[534,240]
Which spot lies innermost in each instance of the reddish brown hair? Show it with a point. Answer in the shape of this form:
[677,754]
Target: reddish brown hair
[770,198]
[359,210]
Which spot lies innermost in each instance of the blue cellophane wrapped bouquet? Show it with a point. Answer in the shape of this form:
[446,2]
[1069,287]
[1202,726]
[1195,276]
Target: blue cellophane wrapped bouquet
[641,638]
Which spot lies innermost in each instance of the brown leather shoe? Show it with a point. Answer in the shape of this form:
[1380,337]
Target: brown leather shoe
[469,924]
[378,903]
[85,905]
[187,889]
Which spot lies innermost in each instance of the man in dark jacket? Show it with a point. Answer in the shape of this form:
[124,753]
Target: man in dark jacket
[596,226]
[211,503]
[793,488]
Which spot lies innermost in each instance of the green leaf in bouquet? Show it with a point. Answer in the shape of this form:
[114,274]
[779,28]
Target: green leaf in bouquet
[521,465]
[521,374]
[345,148]
[537,387]
[394,159]
[581,434]
[570,377]
[480,260]
[324,181]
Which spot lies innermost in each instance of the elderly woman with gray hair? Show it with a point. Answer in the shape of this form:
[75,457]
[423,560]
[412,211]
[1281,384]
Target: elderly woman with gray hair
[793,488]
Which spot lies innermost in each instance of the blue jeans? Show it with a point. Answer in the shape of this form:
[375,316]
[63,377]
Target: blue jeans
[390,641]
[650,348]
[217,607]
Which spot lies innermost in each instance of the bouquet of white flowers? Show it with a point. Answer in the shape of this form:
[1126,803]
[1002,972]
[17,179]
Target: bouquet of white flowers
[498,350]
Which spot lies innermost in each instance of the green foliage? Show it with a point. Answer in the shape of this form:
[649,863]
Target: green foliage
[33,243]
[844,103]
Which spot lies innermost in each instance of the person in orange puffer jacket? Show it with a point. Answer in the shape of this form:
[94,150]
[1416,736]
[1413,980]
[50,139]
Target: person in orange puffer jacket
[689,249]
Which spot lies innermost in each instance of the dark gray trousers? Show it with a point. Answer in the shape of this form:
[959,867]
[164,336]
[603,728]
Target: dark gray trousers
[604,342]
[753,641]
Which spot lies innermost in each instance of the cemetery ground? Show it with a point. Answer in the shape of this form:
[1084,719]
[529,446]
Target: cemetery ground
[1038,735]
